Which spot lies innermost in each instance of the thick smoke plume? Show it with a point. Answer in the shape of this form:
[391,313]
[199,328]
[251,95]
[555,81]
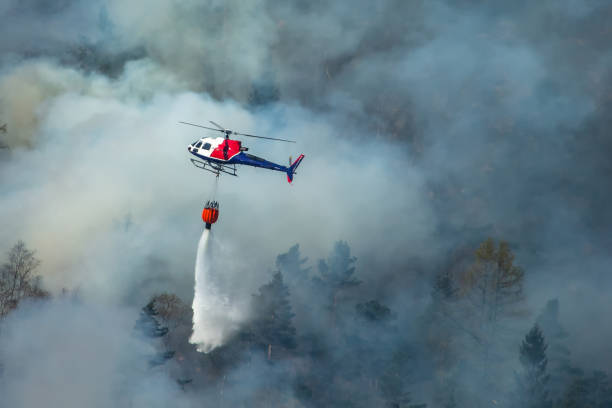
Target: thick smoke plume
[429,124]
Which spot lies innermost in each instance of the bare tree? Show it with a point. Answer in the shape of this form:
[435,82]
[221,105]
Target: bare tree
[17,278]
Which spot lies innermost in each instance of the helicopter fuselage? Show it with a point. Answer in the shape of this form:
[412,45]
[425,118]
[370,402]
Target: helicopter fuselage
[223,151]
[221,155]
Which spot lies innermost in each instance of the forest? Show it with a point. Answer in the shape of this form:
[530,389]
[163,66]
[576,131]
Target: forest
[445,242]
[311,341]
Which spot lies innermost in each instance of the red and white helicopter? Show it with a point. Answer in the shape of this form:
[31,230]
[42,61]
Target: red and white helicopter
[222,154]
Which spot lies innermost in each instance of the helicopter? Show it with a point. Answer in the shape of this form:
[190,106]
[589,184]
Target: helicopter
[222,154]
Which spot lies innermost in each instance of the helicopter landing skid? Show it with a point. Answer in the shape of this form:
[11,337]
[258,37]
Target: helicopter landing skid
[216,169]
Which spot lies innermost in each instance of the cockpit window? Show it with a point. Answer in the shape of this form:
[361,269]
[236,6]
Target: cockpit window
[198,145]
[206,146]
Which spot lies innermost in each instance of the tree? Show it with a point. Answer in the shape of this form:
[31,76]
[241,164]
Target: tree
[471,304]
[559,364]
[336,274]
[17,278]
[374,311]
[394,383]
[442,322]
[148,325]
[297,277]
[291,264]
[494,283]
[493,286]
[367,341]
[591,392]
[272,326]
[533,380]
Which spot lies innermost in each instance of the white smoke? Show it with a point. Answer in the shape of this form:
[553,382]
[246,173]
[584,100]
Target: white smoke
[214,316]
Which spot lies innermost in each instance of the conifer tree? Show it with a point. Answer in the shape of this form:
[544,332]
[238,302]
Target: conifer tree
[297,277]
[393,383]
[559,365]
[374,311]
[148,325]
[336,274]
[533,379]
[291,264]
[272,326]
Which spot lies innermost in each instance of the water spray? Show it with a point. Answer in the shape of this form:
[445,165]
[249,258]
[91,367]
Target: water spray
[214,316]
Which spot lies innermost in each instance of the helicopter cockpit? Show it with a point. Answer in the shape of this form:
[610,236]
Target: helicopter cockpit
[198,144]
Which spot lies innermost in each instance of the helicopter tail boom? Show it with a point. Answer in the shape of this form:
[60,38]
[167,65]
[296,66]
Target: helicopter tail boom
[291,169]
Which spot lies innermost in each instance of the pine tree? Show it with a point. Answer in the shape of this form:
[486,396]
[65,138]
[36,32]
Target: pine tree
[148,325]
[393,382]
[442,322]
[559,365]
[336,274]
[374,311]
[533,380]
[297,278]
[291,264]
[272,326]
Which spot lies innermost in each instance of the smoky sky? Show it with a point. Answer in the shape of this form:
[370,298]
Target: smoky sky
[426,126]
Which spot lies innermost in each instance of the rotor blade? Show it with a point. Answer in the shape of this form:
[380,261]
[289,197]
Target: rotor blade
[217,125]
[264,137]
[205,127]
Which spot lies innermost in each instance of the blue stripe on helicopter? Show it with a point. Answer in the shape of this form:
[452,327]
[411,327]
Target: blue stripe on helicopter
[247,159]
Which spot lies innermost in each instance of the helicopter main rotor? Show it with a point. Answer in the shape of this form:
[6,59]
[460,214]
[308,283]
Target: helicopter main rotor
[229,132]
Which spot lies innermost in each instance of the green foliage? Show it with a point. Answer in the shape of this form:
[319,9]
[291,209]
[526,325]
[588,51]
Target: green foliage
[533,352]
[272,325]
[533,380]
[559,364]
[394,384]
[149,326]
[147,323]
[291,264]
[336,273]
[374,311]
[444,287]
